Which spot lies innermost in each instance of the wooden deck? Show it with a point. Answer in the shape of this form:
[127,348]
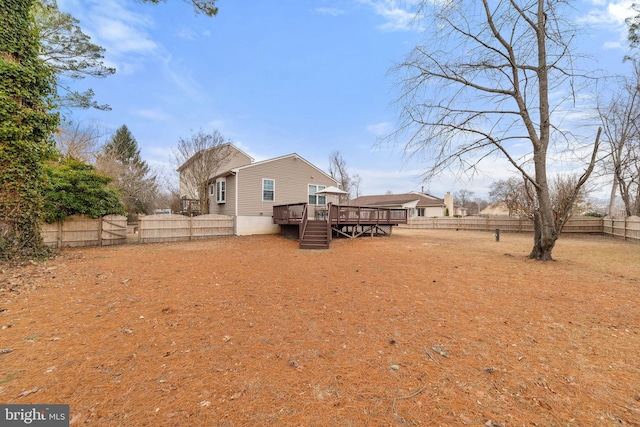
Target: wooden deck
[348,221]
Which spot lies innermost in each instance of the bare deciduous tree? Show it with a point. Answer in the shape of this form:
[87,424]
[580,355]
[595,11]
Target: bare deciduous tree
[621,126]
[120,158]
[340,172]
[481,87]
[515,194]
[356,180]
[463,197]
[520,197]
[198,158]
[79,140]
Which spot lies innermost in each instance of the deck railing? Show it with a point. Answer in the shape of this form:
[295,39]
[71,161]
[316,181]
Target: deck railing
[296,213]
[289,214]
[366,215]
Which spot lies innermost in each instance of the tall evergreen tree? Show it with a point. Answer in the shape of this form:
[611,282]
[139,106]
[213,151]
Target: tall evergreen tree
[123,147]
[26,128]
[69,51]
[120,159]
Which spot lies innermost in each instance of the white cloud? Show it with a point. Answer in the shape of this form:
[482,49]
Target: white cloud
[120,37]
[398,15]
[218,124]
[182,78]
[152,113]
[610,15]
[189,34]
[186,33]
[113,25]
[381,129]
[613,45]
[331,11]
[117,28]
[375,181]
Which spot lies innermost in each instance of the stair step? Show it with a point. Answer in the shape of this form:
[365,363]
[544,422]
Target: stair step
[313,246]
[315,236]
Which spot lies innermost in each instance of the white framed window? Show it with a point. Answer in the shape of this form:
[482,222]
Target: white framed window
[212,190]
[268,190]
[221,190]
[314,198]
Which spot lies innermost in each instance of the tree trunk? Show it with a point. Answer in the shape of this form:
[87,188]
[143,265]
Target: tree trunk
[612,197]
[203,197]
[537,237]
[545,231]
[542,245]
[544,222]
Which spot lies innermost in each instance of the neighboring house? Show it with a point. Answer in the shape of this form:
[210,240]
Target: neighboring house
[418,204]
[248,192]
[496,209]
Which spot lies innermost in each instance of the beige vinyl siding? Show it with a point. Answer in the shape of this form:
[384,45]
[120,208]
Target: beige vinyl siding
[227,208]
[236,160]
[292,177]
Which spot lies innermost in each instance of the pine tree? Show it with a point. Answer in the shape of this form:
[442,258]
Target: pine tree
[120,159]
[123,147]
[69,51]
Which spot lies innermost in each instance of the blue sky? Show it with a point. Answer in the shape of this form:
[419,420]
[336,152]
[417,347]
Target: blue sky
[277,77]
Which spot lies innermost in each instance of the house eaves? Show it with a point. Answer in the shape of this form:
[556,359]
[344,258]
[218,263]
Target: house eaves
[292,155]
[185,164]
[221,175]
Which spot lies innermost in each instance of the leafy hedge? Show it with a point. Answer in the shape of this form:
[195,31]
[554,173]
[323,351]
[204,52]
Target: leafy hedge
[75,188]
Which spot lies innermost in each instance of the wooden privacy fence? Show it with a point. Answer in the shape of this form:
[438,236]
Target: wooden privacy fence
[627,228]
[174,228]
[81,230]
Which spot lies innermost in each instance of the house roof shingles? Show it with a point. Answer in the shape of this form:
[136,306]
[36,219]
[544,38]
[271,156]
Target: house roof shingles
[423,199]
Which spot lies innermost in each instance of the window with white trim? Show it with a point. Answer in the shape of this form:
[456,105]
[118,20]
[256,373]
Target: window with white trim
[212,189]
[221,190]
[268,190]
[314,198]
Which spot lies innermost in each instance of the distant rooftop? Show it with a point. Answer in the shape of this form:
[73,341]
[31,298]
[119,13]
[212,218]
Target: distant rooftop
[423,200]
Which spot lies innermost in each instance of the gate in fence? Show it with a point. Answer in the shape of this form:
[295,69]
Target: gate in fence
[82,230]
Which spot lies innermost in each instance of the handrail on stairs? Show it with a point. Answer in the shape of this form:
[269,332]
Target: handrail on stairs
[303,223]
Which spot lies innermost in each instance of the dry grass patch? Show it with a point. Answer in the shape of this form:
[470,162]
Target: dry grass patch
[423,327]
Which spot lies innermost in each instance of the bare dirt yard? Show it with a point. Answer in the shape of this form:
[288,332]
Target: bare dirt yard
[434,328]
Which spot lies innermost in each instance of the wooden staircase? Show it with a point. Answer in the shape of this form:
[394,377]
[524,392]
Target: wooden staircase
[315,236]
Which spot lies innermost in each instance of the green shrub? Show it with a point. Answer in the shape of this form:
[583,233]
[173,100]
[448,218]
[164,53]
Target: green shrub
[75,188]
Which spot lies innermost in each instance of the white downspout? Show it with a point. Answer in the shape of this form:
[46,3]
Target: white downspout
[235,202]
